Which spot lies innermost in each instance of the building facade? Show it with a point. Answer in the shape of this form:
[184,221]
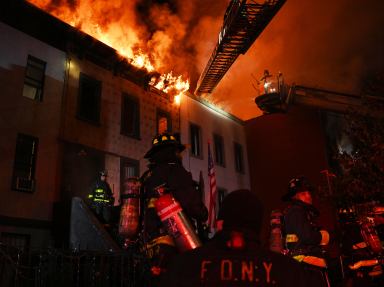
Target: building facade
[73,107]
[203,123]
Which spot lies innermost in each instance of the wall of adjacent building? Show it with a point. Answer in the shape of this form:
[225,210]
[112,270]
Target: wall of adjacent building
[20,114]
[284,146]
[23,211]
[212,122]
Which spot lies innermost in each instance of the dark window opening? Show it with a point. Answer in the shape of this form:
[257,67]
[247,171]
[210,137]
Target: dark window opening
[130,116]
[34,78]
[195,138]
[219,150]
[163,122]
[88,105]
[23,178]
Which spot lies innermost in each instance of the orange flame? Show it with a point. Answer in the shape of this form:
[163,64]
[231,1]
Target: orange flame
[113,23]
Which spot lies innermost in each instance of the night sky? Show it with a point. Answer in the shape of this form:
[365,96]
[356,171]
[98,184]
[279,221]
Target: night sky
[327,44]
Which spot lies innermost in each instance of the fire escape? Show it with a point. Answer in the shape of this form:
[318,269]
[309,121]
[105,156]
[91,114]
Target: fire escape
[244,21]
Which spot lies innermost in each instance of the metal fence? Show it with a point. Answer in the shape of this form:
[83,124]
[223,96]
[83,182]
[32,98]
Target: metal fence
[53,267]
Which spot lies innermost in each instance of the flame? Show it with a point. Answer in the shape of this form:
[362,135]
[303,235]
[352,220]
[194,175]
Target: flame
[173,85]
[113,23]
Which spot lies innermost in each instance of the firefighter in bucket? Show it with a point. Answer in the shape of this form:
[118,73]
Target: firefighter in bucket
[167,182]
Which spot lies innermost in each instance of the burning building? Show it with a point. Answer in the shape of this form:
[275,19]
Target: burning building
[74,106]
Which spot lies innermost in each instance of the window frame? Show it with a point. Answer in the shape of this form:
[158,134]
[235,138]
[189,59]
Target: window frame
[199,153]
[162,113]
[219,156]
[34,65]
[135,126]
[80,114]
[124,162]
[22,167]
[239,166]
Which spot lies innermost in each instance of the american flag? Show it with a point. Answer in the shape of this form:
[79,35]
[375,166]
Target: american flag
[212,191]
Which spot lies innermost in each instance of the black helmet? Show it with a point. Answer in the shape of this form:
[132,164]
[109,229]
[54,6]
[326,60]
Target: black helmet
[297,184]
[164,140]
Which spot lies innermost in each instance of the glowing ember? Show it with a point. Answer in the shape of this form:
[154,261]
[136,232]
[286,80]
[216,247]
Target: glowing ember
[113,23]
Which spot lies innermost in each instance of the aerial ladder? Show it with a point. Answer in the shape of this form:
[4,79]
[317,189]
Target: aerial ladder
[275,96]
[244,20]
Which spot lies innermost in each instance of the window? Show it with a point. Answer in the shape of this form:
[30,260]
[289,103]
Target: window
[219,150]
[130,116]
[34,79]
[23,178]
[239,163]
[195,138]
[128,168]
[163,122]
[88,102]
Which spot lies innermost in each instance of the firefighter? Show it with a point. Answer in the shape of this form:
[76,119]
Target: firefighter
[304,238]
[361,246]
[101,198]
[166,174]
[234,256]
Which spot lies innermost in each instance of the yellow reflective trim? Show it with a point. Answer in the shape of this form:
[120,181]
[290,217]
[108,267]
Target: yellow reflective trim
[90,195]
[291,238]
[98,190]
[359,245]
[166,239]
[164,138]
[312,260]
[299,257]
[364,263]
[316,261]
[101,199]
[151,203]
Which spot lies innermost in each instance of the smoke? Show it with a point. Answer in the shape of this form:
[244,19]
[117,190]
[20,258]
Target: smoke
[326,44]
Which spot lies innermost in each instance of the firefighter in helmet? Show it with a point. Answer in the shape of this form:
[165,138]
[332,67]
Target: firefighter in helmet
[166,172]
[101,198]
[361,244]
[235,256]
[304,238]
